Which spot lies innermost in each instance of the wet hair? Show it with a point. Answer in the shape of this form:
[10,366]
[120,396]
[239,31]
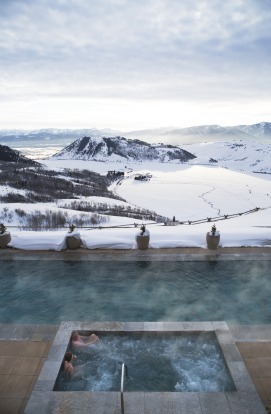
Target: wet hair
[74,333]
[68,356]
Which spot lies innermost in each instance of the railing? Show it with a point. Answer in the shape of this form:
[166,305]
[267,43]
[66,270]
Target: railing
[123,372]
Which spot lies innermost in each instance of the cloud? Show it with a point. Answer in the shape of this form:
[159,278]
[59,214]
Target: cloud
[189,50]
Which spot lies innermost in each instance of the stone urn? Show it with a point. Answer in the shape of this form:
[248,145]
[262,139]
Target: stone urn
[4,236]
[213,238]
[73,242]
[143,238]
[73,238]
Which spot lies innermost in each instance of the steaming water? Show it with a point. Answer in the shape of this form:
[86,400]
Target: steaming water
[49,292]
[155,362]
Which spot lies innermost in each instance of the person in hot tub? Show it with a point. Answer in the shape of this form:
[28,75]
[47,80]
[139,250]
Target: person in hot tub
[76,372]
[79,341]
[67,364]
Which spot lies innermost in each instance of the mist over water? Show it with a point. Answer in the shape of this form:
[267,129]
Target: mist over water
[52,291]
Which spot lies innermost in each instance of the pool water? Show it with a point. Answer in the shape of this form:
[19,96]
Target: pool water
[160,362]
[48,292]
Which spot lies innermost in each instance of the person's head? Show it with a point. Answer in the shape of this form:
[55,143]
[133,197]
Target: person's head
[74,335]
[68,356]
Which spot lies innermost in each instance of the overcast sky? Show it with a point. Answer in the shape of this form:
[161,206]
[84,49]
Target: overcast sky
[134,64]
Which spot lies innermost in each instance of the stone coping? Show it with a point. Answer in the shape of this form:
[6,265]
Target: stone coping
[180,254]
[244,400]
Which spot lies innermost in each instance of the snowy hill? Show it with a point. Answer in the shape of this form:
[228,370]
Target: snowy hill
[10,155]
[239,155]
[121,149]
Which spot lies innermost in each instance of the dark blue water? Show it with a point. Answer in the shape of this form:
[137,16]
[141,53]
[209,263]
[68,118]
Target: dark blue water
[48,292]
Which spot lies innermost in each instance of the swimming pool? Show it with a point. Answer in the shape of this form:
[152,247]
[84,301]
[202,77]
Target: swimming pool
[50,291]
[160,362]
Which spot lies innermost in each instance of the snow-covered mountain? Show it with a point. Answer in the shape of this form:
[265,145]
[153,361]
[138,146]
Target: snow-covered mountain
[261,130]
[44,137]
[204,133]
[121,149]
[52,132]
[168,135]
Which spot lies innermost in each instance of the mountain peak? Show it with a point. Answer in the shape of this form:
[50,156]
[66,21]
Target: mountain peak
[118,148]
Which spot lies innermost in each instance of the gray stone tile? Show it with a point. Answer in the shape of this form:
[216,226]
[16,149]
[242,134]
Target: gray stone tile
[57,352]
[133,326]
[171,326]
[158,403]
[252,403]
[235,403]
[192,326]
[224,337]
[231,352]
[245,403]
[43,403]
[220,325]
[240,376]
[214,403]
[104,402]
[208,326]
[100,326]
[186,403]
[75,403]
[133,402]
[44,385]
[50,370]
[166,402]
[153,326]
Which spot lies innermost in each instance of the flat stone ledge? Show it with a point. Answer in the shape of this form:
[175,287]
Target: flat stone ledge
[178,254]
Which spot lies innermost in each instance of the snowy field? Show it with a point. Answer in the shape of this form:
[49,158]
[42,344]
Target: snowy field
[187,191]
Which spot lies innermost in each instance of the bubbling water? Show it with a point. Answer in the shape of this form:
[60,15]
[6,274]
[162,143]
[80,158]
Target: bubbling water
[156,362]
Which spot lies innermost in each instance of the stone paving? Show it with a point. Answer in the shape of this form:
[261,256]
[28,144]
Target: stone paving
[23,351]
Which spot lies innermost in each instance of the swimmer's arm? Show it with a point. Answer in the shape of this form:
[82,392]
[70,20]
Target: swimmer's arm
[93,338]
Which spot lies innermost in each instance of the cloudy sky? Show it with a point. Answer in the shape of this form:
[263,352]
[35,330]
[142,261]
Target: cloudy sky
[134,64]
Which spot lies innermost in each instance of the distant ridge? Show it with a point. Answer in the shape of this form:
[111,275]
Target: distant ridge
[167,135]
[204,133]
[119,149]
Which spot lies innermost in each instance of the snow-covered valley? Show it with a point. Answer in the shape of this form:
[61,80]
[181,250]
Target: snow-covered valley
[237,181]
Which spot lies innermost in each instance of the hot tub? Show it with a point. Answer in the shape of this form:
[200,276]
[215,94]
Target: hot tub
[182,341]
[154,361]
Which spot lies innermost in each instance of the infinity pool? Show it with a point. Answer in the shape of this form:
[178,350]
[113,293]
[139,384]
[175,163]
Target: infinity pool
[47,292]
